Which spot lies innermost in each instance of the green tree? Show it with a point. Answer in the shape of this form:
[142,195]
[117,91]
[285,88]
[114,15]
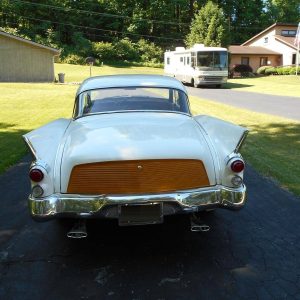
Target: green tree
[209,27]
[245,18]
[283,10]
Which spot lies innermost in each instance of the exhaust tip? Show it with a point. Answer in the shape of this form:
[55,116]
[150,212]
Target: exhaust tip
[78,230]
[76,234]
[200,228]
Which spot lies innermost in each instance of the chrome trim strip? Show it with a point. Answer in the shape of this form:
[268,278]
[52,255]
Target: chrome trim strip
[132,111]
[83,206]
[155,86]
[241,142]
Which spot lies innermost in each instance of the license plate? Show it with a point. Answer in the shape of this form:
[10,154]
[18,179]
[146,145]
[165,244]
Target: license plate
[140,214]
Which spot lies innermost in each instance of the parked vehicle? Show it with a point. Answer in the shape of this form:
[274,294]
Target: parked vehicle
[198,65]
[133,152]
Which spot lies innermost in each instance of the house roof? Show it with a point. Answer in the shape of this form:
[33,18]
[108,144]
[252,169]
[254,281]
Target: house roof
[251,50]
[288,40]
[9,35]
[267,29]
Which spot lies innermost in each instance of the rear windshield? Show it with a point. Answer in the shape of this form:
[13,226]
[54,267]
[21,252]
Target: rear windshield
[131,99]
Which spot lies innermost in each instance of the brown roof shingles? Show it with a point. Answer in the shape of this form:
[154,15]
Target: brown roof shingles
[288,40]
[251,50]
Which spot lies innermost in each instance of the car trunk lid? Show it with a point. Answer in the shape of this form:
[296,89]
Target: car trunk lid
[135,152]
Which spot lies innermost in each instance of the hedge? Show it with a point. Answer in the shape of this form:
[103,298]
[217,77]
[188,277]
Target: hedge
[262,70]
[288,70]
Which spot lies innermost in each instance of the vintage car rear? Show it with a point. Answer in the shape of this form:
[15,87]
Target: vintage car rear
[133,152]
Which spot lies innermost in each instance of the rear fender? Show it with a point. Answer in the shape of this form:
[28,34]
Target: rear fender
[227,140]
[43,144]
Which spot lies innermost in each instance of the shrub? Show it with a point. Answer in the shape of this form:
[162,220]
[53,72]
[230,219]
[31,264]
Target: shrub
[262,70]
[271,71]
[244,70]
[286,70]
[119,52]
[293,70]
[73,59]
[149,52]
[279,70]
[283,70]
[126,50]
[104,51]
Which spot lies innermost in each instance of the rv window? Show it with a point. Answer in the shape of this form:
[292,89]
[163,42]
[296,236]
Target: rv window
[193,61]
[212,59]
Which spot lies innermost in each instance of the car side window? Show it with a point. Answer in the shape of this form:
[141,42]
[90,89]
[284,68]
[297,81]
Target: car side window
[87,103]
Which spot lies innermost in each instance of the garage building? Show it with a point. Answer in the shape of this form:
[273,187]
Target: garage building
[22,60]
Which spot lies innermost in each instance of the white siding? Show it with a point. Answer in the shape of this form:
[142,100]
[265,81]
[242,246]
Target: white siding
[275,45]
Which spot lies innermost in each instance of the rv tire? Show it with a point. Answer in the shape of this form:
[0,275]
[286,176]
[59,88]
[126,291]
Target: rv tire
[193,83]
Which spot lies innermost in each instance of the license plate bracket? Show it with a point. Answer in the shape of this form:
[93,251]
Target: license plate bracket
[140,214]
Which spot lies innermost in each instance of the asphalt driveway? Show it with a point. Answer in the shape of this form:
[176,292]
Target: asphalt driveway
[250,254]
[283,106]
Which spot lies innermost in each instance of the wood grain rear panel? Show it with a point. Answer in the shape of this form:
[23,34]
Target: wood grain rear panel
[137,177]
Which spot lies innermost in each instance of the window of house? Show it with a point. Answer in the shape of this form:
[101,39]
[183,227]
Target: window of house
[245,61]
[168,60]
[263,61]
[288,32]
[187,60]
[294,59]
[184,60]
[181,59]
[266,40]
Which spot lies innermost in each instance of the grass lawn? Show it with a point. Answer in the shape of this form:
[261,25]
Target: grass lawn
[25,107]
[285,85]
[273,146]
[76,73]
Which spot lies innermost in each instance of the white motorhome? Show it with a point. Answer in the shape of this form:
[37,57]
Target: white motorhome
[198,65]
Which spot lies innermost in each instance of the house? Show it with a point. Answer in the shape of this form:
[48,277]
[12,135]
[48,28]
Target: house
[25,61]
[274,46]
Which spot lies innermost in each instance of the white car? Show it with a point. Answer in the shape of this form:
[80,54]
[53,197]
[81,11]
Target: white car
[134,152]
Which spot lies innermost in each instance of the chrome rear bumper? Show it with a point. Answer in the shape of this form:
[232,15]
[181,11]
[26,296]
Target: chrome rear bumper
[106,206]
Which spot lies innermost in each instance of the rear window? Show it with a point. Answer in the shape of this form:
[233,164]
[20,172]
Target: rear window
[131,99]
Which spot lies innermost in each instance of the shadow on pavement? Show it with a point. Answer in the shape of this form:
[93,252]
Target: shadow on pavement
[231,85]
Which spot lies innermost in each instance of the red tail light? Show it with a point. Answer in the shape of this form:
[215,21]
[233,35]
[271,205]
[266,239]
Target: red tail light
[36,175]
[237,166]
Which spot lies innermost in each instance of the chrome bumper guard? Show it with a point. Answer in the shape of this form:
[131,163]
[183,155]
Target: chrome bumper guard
[106,206]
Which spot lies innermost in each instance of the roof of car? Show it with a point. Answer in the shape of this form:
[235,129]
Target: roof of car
[115,81]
